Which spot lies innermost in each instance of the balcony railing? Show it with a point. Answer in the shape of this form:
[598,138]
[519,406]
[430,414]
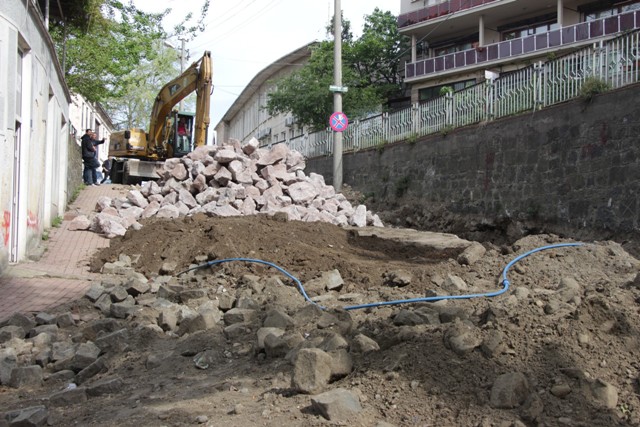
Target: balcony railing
[509,49]
[437,10]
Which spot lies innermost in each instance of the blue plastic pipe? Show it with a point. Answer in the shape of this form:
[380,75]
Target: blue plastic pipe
[505,281]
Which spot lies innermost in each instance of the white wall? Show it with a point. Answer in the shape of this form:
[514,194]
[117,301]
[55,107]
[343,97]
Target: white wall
[34,118]
[84,115]
[251,118]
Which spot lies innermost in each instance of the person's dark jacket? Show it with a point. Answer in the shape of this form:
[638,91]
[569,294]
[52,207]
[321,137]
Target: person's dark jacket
[88,150]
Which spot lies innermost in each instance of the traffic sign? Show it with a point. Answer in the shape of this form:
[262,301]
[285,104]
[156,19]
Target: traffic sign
[341,89]
[338,121]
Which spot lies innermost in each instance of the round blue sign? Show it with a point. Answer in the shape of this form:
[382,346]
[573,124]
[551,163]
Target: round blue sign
[338,121]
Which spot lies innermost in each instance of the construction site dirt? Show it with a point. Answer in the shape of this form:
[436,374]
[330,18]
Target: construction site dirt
[558,348]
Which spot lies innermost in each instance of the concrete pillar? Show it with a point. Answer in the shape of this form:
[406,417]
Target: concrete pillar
[414,48]
[561,13]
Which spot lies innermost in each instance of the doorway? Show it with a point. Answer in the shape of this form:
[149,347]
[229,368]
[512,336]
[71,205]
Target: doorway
[15,200]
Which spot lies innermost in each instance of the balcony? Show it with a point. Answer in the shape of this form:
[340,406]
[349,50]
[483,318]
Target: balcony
[440,9]
[510,49]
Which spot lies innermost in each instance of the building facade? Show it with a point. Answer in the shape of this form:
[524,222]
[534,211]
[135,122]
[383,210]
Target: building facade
[457,43]
[85,115]
[34,131]
[247,118]
[40,126]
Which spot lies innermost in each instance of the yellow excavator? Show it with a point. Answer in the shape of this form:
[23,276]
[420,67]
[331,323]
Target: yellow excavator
[137,154]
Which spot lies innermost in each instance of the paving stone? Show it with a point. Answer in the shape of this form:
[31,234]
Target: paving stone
[68,397]
[105,386]
[33,416]
[26,376]
[311,371]
[337,405]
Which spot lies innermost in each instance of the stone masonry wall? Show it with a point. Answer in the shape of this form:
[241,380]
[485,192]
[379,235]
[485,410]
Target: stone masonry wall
[576,164]
[74,171]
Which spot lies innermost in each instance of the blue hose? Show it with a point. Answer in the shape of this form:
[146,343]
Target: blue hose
[505,281]
[257,261]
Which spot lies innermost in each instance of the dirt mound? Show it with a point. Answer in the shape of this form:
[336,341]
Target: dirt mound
[306,249]
[558,348]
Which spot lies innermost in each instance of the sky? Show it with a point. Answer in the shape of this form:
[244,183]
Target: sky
[245,36]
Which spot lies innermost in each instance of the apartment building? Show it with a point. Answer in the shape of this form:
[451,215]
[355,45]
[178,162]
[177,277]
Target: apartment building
[457,43]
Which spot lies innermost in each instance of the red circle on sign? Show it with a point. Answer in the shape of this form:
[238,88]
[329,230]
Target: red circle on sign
[338,121]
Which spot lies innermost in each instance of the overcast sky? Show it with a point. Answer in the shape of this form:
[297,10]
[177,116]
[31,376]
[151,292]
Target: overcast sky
[245,36]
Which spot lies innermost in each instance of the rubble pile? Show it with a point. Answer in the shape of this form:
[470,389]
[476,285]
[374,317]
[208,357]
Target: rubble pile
[230,180]
[115,348]
[78,354]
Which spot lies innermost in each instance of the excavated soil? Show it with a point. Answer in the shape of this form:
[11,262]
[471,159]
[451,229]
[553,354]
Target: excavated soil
[414,379]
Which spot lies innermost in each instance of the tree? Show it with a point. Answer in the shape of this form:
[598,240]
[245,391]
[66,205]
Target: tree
[114,39]
[369,70]
[141,88]
[377,55]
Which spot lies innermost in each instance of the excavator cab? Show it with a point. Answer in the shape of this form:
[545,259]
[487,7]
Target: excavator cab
[181,135]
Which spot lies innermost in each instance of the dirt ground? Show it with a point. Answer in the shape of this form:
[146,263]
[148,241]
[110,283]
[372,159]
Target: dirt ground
[415,379]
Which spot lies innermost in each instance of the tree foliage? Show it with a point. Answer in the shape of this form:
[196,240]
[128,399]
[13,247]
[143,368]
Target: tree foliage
[104,52]
[141,88]
[369,69]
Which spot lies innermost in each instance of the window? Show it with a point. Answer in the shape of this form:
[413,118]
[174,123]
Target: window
[434,91]
[529,27]
[453,48]
[538,29]
[630,7]
[614,8]
[422,49]
[19,83]
[456,45]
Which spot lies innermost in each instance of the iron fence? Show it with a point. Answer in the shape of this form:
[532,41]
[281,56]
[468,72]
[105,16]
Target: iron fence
[615,63]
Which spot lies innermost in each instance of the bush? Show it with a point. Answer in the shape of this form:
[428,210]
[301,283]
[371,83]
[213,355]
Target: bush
[402,186]
[593,86]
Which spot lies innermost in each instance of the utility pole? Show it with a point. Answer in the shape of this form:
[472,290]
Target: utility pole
[337,95]
[168,44]
[181,66]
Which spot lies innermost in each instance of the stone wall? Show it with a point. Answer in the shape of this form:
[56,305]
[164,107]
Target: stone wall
[74,171]
[575,164]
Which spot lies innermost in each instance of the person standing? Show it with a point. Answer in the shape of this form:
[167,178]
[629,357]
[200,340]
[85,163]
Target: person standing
[96,163]
[90,157]
[89,176]
[106,169]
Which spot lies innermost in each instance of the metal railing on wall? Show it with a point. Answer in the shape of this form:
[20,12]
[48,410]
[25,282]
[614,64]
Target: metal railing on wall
[615,63]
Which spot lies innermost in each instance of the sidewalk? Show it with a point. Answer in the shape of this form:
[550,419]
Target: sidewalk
[62,274]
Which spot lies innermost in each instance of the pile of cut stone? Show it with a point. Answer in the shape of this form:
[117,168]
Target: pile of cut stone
[229,180]
[80,355]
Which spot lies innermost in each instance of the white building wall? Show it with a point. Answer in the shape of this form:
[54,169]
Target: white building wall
[247,117]
[34,118]
[84,115]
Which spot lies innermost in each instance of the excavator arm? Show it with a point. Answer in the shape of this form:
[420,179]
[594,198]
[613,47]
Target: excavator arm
[203,103]
[195,78]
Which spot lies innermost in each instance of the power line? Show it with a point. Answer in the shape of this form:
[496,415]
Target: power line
[258,14]
[224,14]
